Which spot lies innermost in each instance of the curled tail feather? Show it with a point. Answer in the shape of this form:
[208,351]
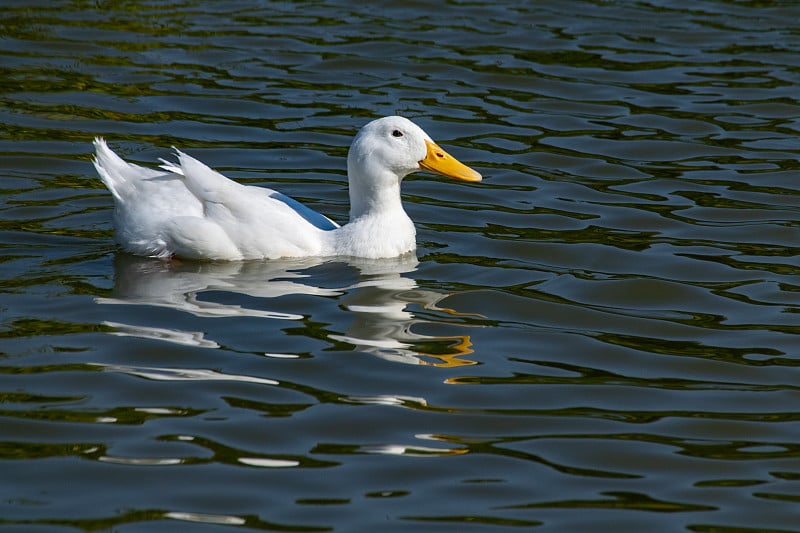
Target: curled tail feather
[117,174]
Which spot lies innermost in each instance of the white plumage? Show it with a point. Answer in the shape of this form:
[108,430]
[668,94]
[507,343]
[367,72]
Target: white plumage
[189,210]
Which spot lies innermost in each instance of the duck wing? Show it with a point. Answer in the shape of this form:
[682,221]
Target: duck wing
[189,210]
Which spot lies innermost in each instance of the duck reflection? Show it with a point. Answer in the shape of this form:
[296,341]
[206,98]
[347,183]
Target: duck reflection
[380,301]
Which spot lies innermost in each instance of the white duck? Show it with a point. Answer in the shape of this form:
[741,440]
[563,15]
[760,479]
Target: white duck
[193,212]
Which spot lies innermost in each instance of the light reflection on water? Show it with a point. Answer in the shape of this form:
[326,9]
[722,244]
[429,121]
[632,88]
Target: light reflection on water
[601,334]
[377,301]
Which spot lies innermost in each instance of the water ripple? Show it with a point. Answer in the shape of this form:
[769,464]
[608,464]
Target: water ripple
[606,324]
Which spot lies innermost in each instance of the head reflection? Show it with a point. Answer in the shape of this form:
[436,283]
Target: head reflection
[384,303]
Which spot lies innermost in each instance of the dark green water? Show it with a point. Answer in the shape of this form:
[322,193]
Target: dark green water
[601,336]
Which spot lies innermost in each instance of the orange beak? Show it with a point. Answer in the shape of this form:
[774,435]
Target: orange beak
[440,162]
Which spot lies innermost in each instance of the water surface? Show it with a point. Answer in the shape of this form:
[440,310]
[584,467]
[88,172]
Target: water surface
[601,335]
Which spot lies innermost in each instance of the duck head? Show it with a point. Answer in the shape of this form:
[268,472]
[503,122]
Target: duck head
[384,152]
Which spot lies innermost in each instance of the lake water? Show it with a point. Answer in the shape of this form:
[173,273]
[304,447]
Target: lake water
[600,336]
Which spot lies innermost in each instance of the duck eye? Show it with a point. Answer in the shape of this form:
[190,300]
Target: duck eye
[397,133]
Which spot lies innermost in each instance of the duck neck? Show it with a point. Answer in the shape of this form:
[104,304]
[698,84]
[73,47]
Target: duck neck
[379,226]
[371,198]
